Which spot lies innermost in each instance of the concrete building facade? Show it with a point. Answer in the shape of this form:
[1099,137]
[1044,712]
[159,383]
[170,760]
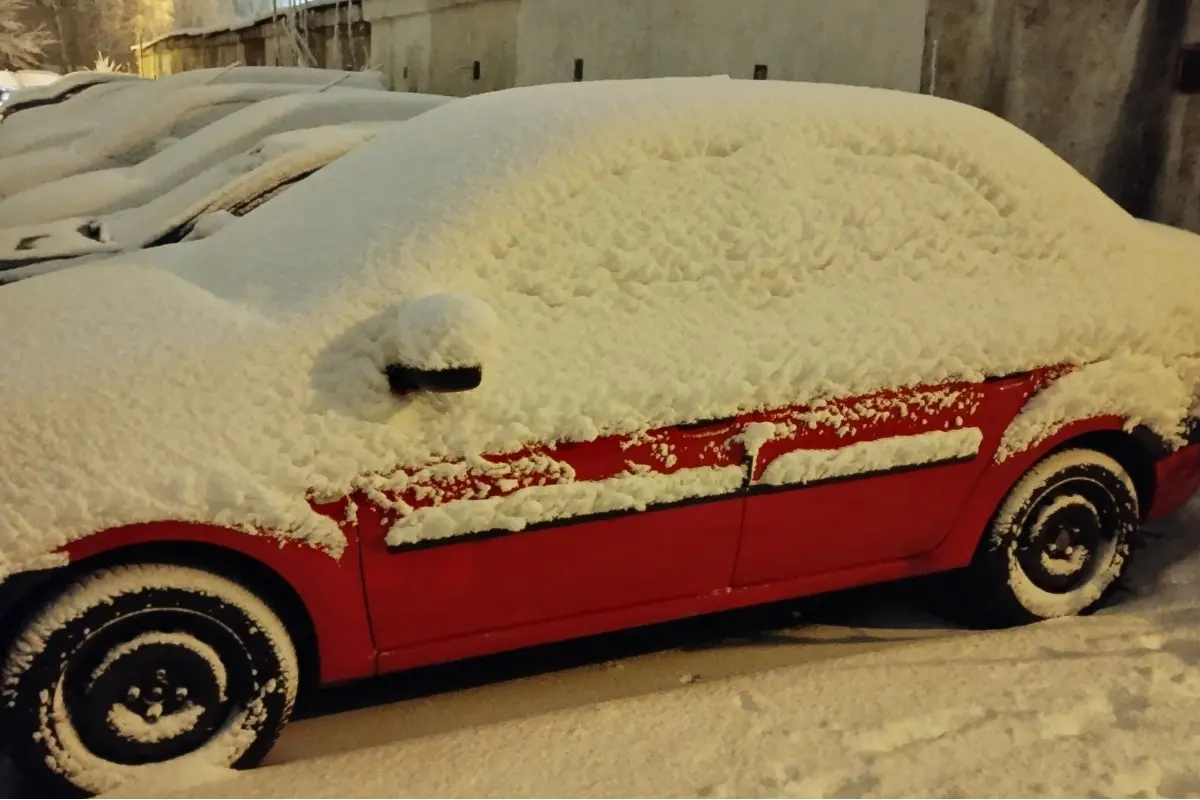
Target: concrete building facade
[864,42]
[464,47]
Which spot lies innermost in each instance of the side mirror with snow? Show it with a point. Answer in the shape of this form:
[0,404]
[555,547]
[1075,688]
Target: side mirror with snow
[437,343]
[403,379]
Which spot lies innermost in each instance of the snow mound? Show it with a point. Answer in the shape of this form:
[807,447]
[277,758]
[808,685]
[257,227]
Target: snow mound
[655,252]
[440,331]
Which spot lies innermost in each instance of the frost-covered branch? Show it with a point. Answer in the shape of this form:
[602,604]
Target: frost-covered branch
[21,45]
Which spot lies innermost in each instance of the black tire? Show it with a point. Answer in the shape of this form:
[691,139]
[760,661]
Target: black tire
[1056,546]
[142,665]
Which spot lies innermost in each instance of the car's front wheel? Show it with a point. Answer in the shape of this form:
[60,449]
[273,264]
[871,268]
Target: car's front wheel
[139,665]
[1057,544]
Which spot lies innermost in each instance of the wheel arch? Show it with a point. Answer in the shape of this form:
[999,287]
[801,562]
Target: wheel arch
[318,597]
[1136,450]
[259,578]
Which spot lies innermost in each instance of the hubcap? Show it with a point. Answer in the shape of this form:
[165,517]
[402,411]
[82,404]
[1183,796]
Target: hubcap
[1068,534]
[137,698]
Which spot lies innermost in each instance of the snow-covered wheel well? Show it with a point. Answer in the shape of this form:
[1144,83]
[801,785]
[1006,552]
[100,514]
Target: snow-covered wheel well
[1136,451]
[259,578]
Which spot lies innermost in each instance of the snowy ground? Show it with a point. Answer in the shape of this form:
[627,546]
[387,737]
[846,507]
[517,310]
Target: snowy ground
[873,698]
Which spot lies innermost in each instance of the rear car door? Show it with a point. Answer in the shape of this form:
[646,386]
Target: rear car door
[869,480]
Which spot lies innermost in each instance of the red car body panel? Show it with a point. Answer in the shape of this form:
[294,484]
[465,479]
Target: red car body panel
[1177,478]
[381,608]
[330,589]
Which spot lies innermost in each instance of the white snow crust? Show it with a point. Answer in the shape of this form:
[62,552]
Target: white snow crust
[57,124]
[66,83]
[656,252]
[106,190]
[272,161]
[134,119]
[806,466]
[133,726]
[1142,389]
[631,491]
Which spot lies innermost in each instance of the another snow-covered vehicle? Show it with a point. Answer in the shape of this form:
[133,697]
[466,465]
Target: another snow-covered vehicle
[566,359]
[232,188]
[137,124]
[59,90]
[106,190]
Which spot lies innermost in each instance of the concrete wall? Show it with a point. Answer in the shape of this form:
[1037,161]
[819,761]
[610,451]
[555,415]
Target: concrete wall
[868,42]
[432,45]
[1092,79]
[1178,200]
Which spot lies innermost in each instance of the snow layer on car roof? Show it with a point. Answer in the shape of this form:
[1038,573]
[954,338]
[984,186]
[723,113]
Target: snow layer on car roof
[653,252]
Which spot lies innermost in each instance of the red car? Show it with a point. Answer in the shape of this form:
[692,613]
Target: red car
[570,359]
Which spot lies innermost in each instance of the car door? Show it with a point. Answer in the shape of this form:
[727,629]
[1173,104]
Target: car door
[553,532]
[869,480]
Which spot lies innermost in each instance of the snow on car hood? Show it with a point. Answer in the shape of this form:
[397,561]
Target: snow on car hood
[138,117]
[274,160]
[128,340]
[66,238]
[116,188]
[655,252]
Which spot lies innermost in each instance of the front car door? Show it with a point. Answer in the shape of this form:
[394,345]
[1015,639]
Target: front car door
[552,532]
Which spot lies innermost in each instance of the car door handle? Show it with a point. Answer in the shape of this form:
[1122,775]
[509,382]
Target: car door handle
[704,423]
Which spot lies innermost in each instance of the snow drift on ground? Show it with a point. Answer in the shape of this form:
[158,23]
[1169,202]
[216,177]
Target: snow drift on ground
[1104,706]
[654,252]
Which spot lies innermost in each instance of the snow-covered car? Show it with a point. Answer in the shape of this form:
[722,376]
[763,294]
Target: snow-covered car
[61,88]
[75,83]
[566,359]
[138,122]
[12,82]
[349,79]
[55,124]
[227,190]
[83,116]
[100,191]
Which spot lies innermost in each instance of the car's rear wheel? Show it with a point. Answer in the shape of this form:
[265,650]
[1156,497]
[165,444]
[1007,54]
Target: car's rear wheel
[1057,544]
[141,665]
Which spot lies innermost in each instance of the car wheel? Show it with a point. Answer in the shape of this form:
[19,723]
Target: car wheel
[139,665]
[1057,544]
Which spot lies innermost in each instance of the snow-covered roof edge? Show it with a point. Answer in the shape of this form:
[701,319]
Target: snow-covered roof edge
[240,25]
